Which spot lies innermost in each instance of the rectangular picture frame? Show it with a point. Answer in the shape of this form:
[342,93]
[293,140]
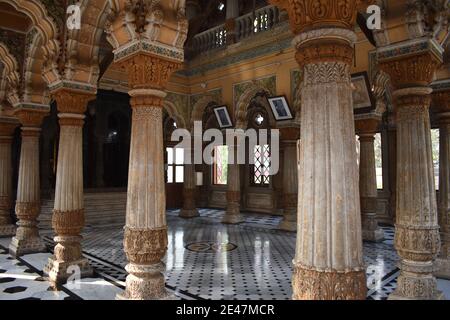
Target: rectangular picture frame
[280,108]
[223,117]
[363,100]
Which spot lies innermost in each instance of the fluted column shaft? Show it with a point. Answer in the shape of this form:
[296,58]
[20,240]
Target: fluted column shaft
[28,202]
[328,263]
[233,213]
[7,128]
[290,178]
[443,260]
[68,212]
[416,230]
[189,209]
[368,188]
[145,232]
[441,106]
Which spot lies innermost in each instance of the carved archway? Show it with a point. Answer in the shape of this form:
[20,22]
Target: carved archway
[200,107]
[11,75]
[173,113]
[46,26]
[245,100]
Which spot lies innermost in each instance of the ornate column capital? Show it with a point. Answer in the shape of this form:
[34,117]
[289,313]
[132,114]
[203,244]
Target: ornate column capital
[72,101]
[305,15]
[7,126]
[367,125]
[289,134]
[30,118]
[441,101]
[411,64]
[146,71]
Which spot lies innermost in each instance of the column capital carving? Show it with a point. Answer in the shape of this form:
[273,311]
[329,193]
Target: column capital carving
[367,126]
[7,126]
[441,101]
[149,72]
[411,64]
[71,101]
[324,45]
[306,15]
[289,133]
[31,118]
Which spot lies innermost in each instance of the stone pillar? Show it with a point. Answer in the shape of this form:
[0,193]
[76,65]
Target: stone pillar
[232,13]
[289,138]
[442,108]
[145,233]
[233,213]
[28,203]
[368,192]
[7,127]
[99,161]
[328,263]
[416,230]
[68,212]
[189,209]
[392,165]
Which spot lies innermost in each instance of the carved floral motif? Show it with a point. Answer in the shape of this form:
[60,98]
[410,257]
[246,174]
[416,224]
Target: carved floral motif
[311,284]
[145,246]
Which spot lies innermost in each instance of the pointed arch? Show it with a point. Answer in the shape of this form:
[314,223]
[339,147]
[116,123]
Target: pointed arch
[244,101]
[11,75]
[200,107]
[46,26]
[174,114]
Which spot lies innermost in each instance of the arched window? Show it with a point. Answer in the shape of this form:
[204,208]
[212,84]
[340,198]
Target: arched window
[258,119]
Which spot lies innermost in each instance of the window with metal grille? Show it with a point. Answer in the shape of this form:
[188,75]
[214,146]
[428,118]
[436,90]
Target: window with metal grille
[261,167]
[220,165]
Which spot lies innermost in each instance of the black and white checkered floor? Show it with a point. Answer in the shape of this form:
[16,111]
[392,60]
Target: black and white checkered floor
[205,260]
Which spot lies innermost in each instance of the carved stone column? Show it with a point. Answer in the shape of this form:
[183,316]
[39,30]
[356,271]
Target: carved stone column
[7,127]
[189,209]
[328,263]
[289,138]
[416,230]
[145,234]
[442,108]
[366,129]
[68,212]
[233,213]
[28,203]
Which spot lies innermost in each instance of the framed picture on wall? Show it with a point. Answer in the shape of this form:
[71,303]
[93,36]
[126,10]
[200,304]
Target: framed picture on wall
[362,95]
[280,108]
[223,117]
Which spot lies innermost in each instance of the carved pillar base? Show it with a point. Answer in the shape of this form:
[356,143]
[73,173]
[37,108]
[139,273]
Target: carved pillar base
[311,284]
[189,210]
[68,257]
[144,249]
[442,263]
[417,246]
[145,282]
[371,231]
[27,239]
[189,213]
[416,282]
[67,261]
[233,213]
[289,222]
[8,230]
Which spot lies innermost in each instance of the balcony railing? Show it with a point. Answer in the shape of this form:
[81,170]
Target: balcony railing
[250,24]
[264,19]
